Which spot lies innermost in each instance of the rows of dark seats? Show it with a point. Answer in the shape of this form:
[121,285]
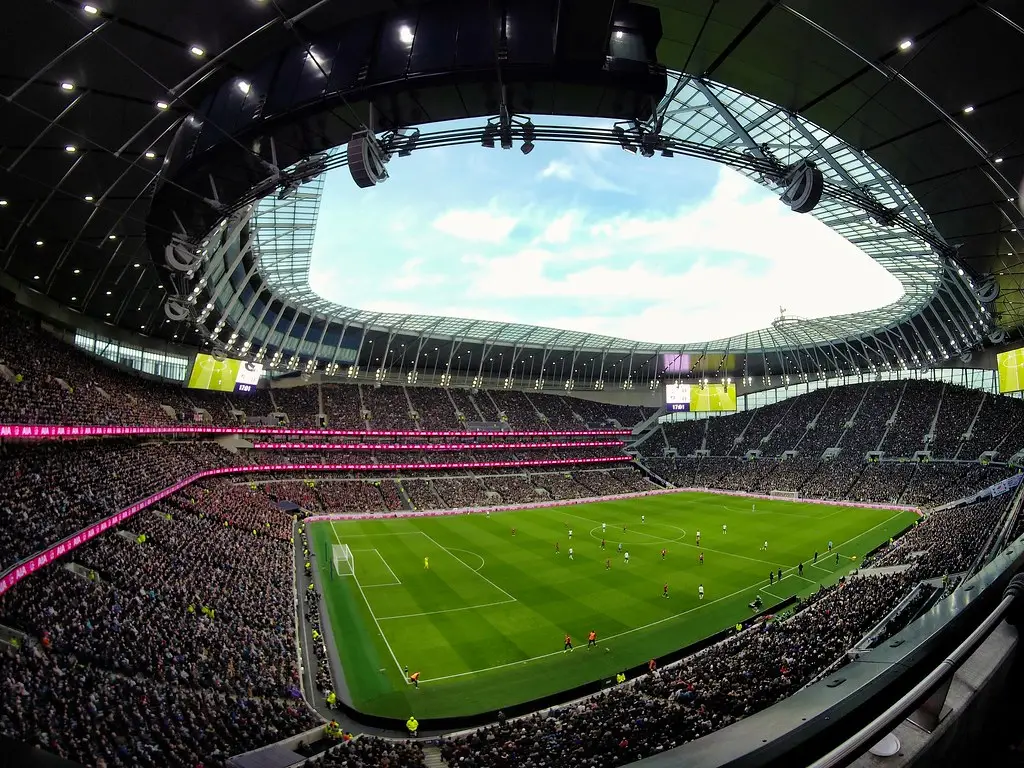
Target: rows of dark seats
[57,383]
[912,483]
[946,542]
[55,489]
[944,410]
[52,490]
[371,752]
[176,650]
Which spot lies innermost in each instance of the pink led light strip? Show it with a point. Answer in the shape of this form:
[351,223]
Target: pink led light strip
[434,446]
[28,566]
[51,431]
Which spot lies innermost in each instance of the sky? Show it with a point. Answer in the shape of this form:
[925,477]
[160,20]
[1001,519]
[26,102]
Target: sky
[584,238]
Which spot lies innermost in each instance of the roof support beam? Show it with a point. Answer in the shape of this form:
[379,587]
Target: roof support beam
[730,119]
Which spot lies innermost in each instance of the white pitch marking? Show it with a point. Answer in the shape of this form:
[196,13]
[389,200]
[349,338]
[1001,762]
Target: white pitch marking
[439,546]
[753,587]
[474,554]
[380,629]
[445,610]
[397,581]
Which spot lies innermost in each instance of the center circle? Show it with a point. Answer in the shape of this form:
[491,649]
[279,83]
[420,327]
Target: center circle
[645,534]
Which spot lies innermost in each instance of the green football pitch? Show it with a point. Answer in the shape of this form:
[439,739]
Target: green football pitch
[484,625]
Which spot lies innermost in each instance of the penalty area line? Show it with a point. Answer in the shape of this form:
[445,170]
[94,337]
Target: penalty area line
[470,567]
[373,616]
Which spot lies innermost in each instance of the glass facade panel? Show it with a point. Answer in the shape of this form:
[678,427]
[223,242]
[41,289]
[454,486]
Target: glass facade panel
[972,378]
[170,367]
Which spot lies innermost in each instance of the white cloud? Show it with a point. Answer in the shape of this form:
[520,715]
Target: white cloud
[626,266]
[721,268]
[585,170]
[560,230]
[557,169]
[478,226]
[412,276]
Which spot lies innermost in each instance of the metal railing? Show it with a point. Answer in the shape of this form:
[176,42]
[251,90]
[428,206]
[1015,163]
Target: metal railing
[928,694]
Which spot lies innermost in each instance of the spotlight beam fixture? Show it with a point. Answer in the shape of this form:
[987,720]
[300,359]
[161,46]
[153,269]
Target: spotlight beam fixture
[507,127]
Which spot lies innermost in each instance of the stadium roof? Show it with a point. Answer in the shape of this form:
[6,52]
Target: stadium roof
[97,95]
[702,113]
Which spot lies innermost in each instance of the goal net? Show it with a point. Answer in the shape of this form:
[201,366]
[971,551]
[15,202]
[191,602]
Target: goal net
[343,562]
[785,494]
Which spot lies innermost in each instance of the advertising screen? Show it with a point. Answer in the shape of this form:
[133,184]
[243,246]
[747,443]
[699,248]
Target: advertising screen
[1011,370]
[714,397]
[227,375]
[677,396]
[700,398]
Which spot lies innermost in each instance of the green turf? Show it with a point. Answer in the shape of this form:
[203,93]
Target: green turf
[484,626]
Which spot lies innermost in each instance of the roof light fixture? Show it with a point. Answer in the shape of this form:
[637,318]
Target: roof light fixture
[968,109]
[92,10]
[162,105]
[89,198]
[111,237]
[136,265]
[196,51]
[244,86]
[76,271]
[35,277]
[3,203]
[67,86]
[150,155]
[405,34]
[999,160]
[108,293]
[905,45]
[39,243]
[70,148]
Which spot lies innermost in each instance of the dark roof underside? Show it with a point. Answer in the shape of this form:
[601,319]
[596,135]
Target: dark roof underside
[837,63]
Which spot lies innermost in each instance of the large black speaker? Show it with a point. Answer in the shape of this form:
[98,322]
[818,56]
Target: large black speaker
[804,185]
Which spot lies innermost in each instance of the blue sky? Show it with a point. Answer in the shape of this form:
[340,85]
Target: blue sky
[586,238]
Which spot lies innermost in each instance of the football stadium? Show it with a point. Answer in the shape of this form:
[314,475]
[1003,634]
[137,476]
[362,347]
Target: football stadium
[664,407]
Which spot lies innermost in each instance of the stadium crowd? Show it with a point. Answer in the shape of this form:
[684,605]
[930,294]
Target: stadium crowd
[52,490]
[47,381]
[946,542]
[172,641]
[706,692]
[171,647]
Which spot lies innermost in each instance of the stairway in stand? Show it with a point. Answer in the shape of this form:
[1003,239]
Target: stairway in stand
[432,758]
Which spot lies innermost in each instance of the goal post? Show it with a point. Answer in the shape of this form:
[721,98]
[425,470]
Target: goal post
[784,494]
[344,563]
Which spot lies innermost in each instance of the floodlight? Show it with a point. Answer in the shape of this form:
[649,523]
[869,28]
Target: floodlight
[624,142]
